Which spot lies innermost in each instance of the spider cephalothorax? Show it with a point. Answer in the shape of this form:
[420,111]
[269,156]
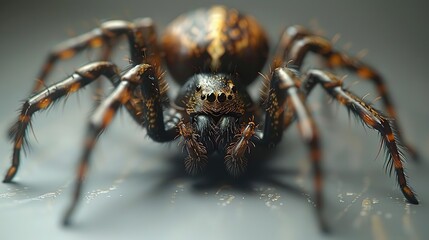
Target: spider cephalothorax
[216,105]
[214,54]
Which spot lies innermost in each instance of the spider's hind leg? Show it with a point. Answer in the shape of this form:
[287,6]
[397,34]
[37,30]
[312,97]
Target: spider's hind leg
[297,42]
[141,36]
[370,116]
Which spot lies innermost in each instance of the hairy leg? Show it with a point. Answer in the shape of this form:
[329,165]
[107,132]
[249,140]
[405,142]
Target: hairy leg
[371,117]
[285,93]
[141,76]
[141,38]
[82,77]
[297,42]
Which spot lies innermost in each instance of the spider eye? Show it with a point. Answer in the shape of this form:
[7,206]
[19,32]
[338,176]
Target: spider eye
[221,97]
[234,89]
[211,97]
[198,88]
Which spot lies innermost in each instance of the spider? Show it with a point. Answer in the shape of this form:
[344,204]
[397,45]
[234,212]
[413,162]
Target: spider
[214,54]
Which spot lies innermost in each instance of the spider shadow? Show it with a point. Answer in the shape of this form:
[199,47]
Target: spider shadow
[259,171]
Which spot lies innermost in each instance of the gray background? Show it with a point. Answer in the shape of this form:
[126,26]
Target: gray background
[138,189]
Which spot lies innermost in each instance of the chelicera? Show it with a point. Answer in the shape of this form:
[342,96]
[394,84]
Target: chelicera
[214,54]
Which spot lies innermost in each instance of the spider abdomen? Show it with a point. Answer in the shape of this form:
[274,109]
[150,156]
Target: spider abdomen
[217,39]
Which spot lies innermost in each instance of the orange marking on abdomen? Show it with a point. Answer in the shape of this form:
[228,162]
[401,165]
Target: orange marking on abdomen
[216,48]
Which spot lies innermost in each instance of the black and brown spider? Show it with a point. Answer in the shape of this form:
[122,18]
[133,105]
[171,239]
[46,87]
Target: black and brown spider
[214,54]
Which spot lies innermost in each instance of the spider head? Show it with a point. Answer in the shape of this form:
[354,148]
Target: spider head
[214,95]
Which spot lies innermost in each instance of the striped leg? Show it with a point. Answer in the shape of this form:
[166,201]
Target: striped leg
[371,117]
[139,76]
[284,92]
[99,121]
[297,42]
[289,36]
[336,59]
[82,77]
[141,39]
[98,90]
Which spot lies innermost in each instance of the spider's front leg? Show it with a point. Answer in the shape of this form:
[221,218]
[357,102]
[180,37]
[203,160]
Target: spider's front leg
[370,116]
[141,77]
[285,94]
[82,77]
[197,152]
[235,159]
